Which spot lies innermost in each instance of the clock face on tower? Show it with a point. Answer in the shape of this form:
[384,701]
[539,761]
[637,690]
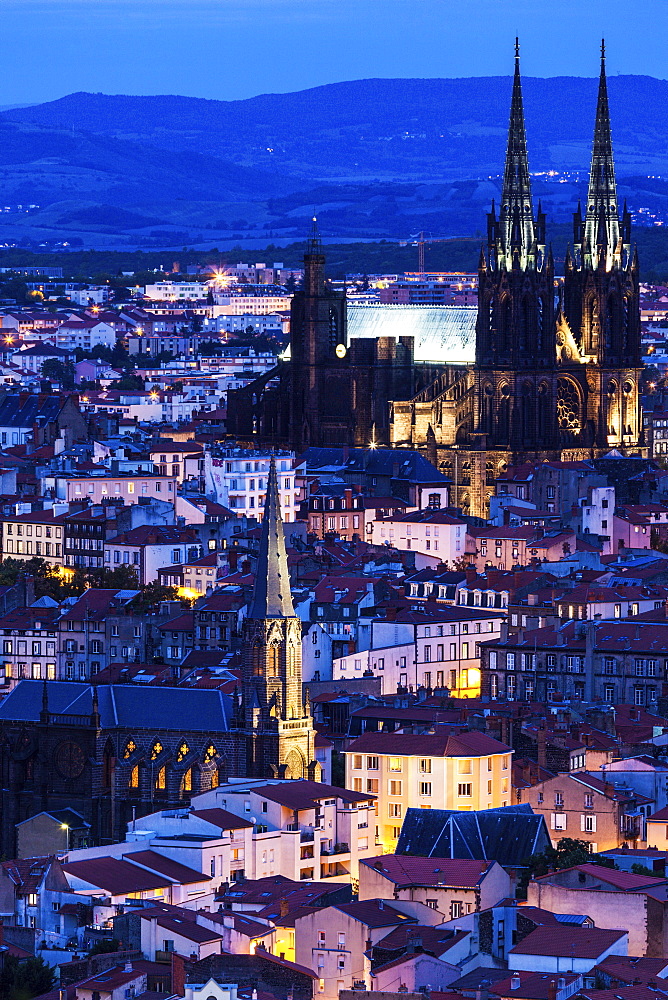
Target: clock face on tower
[70,759]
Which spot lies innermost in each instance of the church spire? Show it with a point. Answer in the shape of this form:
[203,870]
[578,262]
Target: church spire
[516,224]
[271,596]
[601,228]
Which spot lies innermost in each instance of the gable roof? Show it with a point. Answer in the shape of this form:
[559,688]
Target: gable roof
[509,835]
[568,942]
[407,871]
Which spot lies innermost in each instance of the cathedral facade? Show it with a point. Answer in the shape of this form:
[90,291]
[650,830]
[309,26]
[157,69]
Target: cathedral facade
[556,376]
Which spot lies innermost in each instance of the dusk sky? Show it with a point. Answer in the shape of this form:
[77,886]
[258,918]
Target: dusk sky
[228,49]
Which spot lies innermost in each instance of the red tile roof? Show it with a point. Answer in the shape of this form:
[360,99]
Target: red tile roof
[174,870]
[568,942]
[222,818]
[374,913]
[409,871]
[114,875]
[471,744]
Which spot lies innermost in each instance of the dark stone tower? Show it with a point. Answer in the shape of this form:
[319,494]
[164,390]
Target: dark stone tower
[320,396]
[515,350]
[278,726]
[601,298]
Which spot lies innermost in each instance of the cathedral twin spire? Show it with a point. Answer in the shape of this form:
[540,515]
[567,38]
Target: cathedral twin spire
[601,223]
[516,229]
[516,222]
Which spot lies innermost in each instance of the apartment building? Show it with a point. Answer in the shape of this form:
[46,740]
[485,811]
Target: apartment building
[29,644]
[130,487]
[587,806]
[35,534]
[435,770]
[431,532]
[304,830]
[439,651]
[239,480]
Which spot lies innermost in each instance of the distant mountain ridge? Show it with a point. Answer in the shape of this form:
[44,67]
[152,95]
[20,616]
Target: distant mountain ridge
[378,158]
[393,128]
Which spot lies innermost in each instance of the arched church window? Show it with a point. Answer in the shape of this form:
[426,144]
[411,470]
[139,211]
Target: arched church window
[156,750]
[134,777]
[272,659]
[187,781]
[183,751]
[210,753]
[568,405]
[256,659]
[161,779]
[130,748]
[539,323]
[333,328]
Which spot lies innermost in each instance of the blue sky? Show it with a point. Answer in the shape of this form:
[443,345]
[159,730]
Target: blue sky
[228,49]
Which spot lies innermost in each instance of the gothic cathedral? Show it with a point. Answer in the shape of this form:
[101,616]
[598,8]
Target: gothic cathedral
[556,376]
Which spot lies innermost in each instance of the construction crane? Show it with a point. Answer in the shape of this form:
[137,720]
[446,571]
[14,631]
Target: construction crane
[422,240]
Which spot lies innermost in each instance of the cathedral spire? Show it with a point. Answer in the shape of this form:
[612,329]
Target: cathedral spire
[601,228]
[271,596]
[516,224]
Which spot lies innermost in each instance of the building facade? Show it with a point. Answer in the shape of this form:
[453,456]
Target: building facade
[548,383]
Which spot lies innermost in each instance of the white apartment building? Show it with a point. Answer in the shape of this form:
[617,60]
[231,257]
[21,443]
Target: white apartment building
[305,830]
[431,532]
[436,770]
[419,650]
[85,334]
[597,513]
[255,305]
[239,480]
[176,291]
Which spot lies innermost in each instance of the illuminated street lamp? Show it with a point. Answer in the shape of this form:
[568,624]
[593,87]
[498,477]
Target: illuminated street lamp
[66,828]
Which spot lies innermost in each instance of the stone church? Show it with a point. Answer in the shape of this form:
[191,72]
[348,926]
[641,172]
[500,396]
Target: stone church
[556,376]
[109,751]
[333,390]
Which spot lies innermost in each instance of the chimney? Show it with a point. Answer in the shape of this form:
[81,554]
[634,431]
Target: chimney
[552,990]
[541,745]
[515,982]
[178,984]
[471,573]
[128,967]
[381,904]
[283,908]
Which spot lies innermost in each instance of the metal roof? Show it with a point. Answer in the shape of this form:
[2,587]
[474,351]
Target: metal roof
[441,333]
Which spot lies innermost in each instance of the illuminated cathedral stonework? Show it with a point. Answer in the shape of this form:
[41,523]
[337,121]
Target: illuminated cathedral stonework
[554,378]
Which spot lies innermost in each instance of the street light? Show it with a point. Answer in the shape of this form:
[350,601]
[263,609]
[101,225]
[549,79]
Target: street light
[66,828]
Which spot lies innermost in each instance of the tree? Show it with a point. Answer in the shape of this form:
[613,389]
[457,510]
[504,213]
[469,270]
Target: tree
[151,595]
[59,371]
[22,980]
[210,348]
[129,382]
[104,947]
[568,853]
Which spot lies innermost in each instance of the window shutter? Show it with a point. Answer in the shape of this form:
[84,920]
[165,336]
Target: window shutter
[582,822]
[552,821]
[593,823]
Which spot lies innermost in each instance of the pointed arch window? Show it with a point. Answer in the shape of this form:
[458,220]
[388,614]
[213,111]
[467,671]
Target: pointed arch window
[187,781]
[272,659]
[256,658]
[161,779]
[130,748]
[210,753]
[134,777]
[183,751]
[215,779]
[156,750]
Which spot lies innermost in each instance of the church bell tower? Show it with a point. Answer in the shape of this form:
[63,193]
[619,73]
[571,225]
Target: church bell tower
[278,725]
[601,296]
